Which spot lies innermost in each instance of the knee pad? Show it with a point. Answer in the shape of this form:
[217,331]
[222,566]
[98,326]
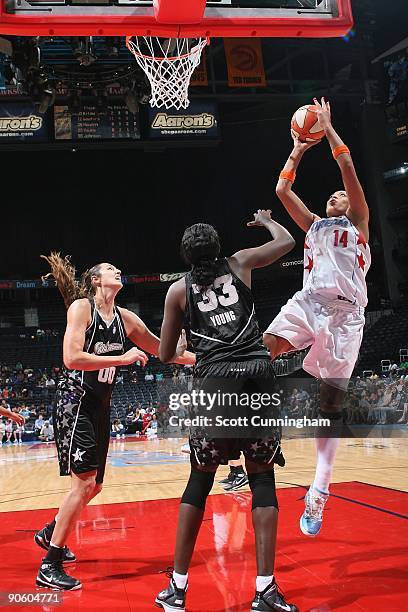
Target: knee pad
[198,487]
[262,485]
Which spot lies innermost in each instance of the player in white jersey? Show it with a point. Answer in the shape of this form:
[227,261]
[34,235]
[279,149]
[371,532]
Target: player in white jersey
[328,313]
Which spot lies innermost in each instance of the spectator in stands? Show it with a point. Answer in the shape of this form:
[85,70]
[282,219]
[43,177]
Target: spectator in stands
[25,412]
[4,405]
[2,431]
[38,425]
[404,418]
[9,431]
[138,420]
[151,430]
[393,369]
[50,382]
[147,418]
[118,429]
[149,376]
[47,432]
[40,333]
[159,376]
[18,433]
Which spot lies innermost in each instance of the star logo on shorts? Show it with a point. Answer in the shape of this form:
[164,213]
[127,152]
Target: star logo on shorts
[310,264]
[78,455]
[361,261]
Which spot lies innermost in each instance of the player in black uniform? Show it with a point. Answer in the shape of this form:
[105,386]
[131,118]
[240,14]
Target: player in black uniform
[94,347]
[216,297]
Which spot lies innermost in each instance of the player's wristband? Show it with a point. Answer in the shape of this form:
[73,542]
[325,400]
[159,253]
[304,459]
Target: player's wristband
[289,175]
[337,151]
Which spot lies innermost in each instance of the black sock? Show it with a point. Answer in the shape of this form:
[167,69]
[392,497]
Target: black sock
[54,553]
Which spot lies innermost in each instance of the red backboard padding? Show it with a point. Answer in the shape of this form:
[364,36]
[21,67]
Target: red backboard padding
[179,11]
[126,22]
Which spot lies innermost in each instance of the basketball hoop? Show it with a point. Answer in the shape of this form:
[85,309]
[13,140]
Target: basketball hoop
[169,64]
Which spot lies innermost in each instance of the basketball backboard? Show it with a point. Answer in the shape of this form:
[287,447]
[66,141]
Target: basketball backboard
[176,18]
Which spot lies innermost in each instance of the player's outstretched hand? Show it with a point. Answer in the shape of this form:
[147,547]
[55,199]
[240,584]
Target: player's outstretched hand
[261,218]
[323,112]
[134,354]
[18,418]
[181,344]
[303,146]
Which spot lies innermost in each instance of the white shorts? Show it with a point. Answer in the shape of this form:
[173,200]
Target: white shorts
[333,329]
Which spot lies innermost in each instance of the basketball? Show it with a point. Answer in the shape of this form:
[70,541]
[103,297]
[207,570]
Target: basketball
[305,124]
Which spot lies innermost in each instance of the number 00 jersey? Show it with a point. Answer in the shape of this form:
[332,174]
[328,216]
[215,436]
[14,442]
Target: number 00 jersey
[104,339]
[337,259]
[222,319]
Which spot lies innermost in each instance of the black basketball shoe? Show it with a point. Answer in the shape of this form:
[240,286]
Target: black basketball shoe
[240,480]
[43,538]
[52,576]
[172,598]
[228,479]
[270,599]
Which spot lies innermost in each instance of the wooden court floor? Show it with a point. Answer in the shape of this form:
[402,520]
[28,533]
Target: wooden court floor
[125,539]
[153,470]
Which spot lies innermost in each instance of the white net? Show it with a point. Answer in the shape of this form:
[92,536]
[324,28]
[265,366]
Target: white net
[169,64]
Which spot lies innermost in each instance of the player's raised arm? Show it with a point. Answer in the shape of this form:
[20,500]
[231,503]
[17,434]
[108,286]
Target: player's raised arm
[282,242]
[299,212]
[358,208]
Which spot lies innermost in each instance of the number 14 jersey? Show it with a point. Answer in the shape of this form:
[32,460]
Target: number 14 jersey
[222,320]
[337,259]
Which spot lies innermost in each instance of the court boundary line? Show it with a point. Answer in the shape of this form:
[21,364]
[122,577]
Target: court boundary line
[354,501]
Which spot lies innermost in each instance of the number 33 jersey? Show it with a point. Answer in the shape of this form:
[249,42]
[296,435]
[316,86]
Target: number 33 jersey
[337,259]
[101,338]
[222,320]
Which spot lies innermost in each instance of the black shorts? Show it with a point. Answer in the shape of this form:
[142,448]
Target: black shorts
[82,434]
[254,375]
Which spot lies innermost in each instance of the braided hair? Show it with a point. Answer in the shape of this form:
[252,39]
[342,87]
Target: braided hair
[200,247]
[63,272]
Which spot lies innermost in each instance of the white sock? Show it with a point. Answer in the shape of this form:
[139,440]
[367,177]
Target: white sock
[262,582]
[326,449]
[180,580]
[55,545]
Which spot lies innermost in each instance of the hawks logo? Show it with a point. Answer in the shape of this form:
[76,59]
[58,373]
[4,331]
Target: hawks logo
[163,120]
[19,124]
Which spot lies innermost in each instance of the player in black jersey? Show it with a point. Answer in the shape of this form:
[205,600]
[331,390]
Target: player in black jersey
[216,297]
[94,347]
